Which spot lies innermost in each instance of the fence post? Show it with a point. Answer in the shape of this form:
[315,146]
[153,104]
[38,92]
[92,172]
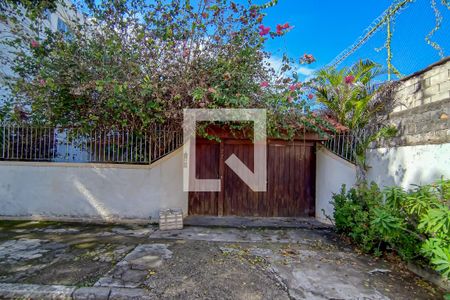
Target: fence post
[4,141]
[150,148]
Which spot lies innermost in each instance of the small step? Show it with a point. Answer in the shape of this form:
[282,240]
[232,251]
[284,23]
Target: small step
[252,222]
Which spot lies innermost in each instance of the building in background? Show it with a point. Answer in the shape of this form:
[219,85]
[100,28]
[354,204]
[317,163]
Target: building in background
[57,20]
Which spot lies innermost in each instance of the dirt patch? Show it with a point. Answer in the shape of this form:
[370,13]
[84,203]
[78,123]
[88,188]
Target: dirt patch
[200,269]
[79,273]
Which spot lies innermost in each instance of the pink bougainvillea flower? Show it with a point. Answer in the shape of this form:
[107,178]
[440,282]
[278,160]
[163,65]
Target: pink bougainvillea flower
[310,96]
[349,79]
[308,58]
[42,82]
[295,86]
[264,84]
[279,29]
[263,30]
[290,99]
[34,44]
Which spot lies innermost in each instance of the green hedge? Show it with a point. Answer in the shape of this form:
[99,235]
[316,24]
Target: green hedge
[415,224]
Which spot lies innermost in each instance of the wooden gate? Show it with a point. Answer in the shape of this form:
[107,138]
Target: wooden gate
[290,180]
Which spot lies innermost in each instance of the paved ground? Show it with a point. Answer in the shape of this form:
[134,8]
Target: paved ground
[255,222]
[117,262]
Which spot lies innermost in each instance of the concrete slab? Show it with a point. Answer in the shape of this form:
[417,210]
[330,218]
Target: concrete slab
[91,293]
[133,269]
[129,294]
[22,249]
[35,291]
[240,235]
[254,222]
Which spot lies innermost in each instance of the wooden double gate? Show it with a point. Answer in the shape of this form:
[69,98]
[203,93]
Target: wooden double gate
[290,180]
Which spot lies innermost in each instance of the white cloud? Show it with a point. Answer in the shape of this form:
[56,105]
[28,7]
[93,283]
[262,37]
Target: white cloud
[276,63]
[305,71]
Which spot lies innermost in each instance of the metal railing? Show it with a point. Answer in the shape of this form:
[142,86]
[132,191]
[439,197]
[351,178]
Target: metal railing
[346,144]
[30,143]
[343,145]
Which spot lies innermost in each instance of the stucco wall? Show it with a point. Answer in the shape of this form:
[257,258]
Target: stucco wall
[331,173]
[420,153]
[406,165]
[96,192]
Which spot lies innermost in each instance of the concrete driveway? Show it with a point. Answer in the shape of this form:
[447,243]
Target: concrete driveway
[76,261]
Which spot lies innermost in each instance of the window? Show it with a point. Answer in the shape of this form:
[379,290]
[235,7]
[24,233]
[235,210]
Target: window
[47,15]
[64,29]
[62,26]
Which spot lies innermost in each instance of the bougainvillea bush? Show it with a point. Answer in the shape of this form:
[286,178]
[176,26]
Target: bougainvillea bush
[133,63]
[414,224]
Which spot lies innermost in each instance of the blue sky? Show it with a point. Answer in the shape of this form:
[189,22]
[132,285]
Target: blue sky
[325,28]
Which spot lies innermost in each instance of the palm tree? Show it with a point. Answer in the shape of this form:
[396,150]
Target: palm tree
[350,93]
[354,98]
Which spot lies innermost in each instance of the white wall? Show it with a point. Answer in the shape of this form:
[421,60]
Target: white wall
[118,193]
[406,165]
[331,173]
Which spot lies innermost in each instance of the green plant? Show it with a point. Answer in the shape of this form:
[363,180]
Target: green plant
[356,100]
[130,64]
[364,142]
[415,224]
[350,93]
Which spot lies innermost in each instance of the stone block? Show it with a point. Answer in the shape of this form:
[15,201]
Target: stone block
[410,128]
[424,83]
[434,71]
[431,91]
[439,78]
[444,87]
[412,81]
[35,291]
[411,139]
[441,96]
[129,294]
[441,135]
[91,293]
[418,102]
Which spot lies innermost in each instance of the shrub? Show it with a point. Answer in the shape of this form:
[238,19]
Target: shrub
[415,224]
[131,64]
